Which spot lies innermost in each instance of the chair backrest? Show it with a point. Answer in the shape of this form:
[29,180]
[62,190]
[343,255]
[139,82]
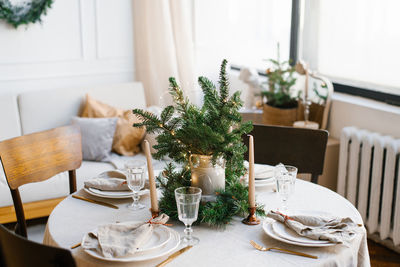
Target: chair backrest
[37,157]
[17,251]
[302,148]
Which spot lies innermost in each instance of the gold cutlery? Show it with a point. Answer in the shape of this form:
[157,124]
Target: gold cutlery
[173,256]
[259,247]
[76,245]
[95,201]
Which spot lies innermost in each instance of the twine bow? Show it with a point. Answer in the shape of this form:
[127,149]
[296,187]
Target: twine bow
[285,217]
[160,223]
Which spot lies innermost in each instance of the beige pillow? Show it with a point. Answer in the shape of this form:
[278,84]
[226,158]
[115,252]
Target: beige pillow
[126,138]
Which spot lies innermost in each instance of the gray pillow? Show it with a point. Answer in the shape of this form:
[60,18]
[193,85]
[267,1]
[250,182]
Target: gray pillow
[97,137]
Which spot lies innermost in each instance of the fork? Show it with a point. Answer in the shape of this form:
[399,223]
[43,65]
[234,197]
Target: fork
[259,247]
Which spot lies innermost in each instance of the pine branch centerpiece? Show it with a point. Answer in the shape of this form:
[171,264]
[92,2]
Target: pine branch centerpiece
[215,131]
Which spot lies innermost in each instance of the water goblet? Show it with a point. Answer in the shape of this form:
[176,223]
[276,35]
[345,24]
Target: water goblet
[187,202]
[135,180]
[285,176]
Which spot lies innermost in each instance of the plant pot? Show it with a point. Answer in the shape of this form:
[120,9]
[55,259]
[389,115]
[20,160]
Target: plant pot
[279,116]
[205,175]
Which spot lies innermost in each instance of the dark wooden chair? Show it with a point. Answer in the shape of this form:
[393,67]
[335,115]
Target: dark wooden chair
[302,148]
[17,251]
[37,157]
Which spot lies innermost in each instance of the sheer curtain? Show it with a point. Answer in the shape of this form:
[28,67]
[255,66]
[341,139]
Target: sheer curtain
[163,47]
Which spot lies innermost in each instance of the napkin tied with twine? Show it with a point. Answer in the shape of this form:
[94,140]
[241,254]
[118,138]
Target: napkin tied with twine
[122,239]
[333,229]
[107,184]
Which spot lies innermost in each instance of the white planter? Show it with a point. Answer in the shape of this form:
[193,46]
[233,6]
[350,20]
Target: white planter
[206,176]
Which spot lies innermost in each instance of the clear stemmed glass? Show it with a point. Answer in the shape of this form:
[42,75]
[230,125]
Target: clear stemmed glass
[135,180]
[187,201]
[285,181]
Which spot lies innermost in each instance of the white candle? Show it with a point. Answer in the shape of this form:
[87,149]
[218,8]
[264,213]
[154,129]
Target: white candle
[252,189]
[152,182]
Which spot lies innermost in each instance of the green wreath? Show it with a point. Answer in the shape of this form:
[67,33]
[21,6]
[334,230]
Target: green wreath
[24,13]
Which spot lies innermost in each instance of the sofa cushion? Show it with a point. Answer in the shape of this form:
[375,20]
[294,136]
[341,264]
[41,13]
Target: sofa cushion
[127,138]
[46,109]
[9,117]
[97,137]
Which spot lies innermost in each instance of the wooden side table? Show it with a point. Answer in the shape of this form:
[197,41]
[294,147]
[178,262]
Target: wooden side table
[330,173]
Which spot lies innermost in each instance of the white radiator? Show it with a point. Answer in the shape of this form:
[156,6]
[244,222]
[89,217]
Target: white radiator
[369,177]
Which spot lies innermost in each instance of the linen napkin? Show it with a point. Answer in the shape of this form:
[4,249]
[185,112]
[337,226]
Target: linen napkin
[122,239]
[334,229]
[108,181]
[107,184]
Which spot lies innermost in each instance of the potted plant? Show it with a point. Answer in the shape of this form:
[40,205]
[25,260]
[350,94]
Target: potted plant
[280,107]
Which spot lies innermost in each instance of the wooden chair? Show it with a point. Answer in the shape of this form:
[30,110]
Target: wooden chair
[302,148]
[37,157]
[17,251]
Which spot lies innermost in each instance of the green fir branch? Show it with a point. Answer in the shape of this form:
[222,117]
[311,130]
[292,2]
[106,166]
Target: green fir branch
[214,129]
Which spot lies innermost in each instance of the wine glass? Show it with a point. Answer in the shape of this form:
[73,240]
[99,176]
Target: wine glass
[187,202]
[135,180]
[285,176]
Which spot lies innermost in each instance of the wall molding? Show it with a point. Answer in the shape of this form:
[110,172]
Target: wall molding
[83,60]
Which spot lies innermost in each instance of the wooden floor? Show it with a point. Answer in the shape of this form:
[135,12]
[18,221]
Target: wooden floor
[381,256]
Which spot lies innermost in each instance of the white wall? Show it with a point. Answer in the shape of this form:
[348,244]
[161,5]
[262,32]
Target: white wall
[347,110]
[80,42]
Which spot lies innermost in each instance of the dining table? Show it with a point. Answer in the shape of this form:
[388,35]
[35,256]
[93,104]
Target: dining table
[226,246]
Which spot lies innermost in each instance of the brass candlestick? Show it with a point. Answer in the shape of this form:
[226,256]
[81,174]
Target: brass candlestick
[252,218]
[155,214]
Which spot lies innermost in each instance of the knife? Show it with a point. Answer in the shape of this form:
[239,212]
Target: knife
[96,201]
[173,256]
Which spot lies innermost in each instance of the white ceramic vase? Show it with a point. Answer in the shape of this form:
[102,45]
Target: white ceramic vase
[205,175]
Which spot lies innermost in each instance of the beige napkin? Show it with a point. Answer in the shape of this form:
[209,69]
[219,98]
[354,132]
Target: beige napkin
[121,239]
[334,229]
[107,184]
[109,181]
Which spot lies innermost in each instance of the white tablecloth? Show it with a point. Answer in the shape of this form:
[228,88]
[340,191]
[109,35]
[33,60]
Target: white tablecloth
[72,218]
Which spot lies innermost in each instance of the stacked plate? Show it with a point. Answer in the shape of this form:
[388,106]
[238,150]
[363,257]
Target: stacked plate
[264,175]
[112,194]
[280,232]
[163,241]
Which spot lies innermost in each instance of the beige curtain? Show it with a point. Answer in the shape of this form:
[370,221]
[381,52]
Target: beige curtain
[163,47]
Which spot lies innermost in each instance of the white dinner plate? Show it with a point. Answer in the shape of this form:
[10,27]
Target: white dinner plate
[145,254]
[113,194]
[287,233]
[262,171]
[265,182]
[267,227]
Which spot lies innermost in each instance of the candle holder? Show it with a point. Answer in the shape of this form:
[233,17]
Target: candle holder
[252,218]
[154,214]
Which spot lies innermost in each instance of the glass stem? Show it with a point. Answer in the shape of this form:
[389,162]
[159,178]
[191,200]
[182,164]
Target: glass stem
[284,205]
[306,111]
[135,198]
[188,232]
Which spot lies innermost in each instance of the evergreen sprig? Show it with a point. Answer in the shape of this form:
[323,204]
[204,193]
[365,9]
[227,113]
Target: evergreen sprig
[27,12]
[280,83]
[215,129]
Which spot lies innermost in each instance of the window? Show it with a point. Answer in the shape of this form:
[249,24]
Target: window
[244,32]
[354,42]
